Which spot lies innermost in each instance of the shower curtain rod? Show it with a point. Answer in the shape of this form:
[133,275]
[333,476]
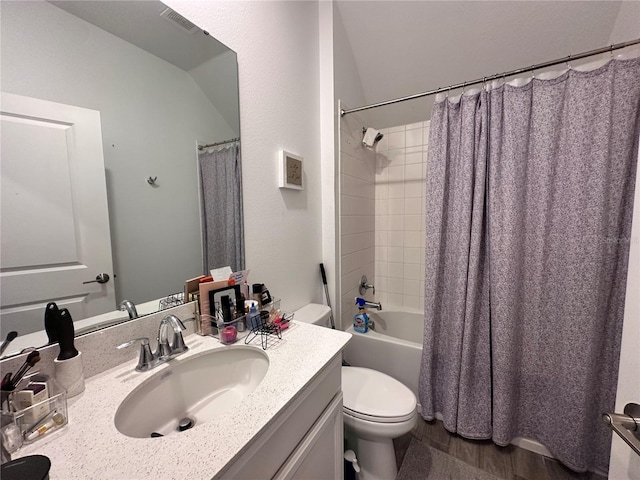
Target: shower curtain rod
[559,61]
[202,147]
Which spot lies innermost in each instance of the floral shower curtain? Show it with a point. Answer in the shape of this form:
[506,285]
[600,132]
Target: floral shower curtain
[222,212]
[529,204]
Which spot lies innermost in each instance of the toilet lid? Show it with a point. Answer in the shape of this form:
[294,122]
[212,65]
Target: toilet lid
[375,396]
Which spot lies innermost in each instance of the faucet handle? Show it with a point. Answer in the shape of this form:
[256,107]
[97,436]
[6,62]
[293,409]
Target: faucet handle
[364,286]
[146,360]
[143,341]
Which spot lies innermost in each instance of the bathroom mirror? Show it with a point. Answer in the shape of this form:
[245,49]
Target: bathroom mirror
[161,86]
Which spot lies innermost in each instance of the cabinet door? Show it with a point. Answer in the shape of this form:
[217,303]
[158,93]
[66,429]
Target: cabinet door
[319,455]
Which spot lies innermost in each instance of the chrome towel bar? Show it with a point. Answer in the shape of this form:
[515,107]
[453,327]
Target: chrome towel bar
[626,425]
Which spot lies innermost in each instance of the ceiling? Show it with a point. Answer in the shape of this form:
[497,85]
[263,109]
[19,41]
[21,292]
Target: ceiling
[406,47]
[139,22]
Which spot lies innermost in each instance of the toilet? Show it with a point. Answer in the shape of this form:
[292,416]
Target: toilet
[376,409]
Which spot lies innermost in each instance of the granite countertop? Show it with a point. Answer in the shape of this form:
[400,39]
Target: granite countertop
[91,447]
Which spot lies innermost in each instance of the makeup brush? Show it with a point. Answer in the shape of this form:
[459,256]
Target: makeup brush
[10,338]
[32,359]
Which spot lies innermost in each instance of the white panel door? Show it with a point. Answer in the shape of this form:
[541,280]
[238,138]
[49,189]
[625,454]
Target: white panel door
[54,222]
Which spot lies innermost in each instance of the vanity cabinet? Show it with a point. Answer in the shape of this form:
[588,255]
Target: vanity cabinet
[304,441]
[319,455]
[289,427]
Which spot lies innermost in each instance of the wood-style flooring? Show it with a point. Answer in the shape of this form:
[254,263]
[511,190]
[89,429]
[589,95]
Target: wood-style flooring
[509,463]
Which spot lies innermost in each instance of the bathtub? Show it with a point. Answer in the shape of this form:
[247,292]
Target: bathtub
[394,347]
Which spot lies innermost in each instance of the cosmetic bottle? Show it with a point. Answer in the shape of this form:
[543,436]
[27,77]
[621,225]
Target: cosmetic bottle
[261,294]
[244,290]
[256,288]
[225,303]
[265,296]
[253,318]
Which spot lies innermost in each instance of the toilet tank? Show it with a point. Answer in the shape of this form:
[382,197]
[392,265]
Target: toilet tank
[313,313]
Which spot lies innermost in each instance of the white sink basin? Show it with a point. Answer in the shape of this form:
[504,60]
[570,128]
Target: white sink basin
[200,388]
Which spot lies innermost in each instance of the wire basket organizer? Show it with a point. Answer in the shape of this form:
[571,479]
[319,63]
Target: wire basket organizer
[270,333]
[172,301]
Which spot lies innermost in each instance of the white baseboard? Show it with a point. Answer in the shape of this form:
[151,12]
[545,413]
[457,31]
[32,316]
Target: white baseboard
[522,442]
[532,446]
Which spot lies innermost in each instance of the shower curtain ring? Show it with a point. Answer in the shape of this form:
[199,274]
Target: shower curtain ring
[533,72]
[567,62]
[611,51]
[464,84]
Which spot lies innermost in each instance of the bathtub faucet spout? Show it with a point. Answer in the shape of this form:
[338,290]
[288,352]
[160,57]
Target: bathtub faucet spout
[367,303]
[376,305]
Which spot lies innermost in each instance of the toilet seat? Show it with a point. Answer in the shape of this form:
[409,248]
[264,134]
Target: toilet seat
[372,418]
[376,397]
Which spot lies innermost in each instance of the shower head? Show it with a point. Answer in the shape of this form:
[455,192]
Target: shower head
[371,137]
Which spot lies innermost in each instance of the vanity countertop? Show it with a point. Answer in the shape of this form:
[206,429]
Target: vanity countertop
[91,447]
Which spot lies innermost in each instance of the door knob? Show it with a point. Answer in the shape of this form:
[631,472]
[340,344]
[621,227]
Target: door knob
[100,278]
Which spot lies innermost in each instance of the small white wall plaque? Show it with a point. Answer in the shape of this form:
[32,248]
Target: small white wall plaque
[290,171]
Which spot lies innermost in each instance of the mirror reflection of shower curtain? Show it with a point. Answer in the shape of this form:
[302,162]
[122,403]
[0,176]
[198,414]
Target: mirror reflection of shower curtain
[222,214]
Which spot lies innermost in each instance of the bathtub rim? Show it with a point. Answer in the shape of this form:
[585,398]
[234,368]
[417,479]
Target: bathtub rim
[383,337]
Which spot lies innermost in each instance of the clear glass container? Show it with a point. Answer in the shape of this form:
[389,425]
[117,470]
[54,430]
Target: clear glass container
[32,412]
[228,331]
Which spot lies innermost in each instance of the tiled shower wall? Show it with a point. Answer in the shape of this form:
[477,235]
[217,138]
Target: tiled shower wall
[399,216]
[357,214]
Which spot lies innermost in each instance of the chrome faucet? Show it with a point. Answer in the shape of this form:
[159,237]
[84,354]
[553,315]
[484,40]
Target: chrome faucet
[364,286]
[367,303]
[129,307]
[165,351]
